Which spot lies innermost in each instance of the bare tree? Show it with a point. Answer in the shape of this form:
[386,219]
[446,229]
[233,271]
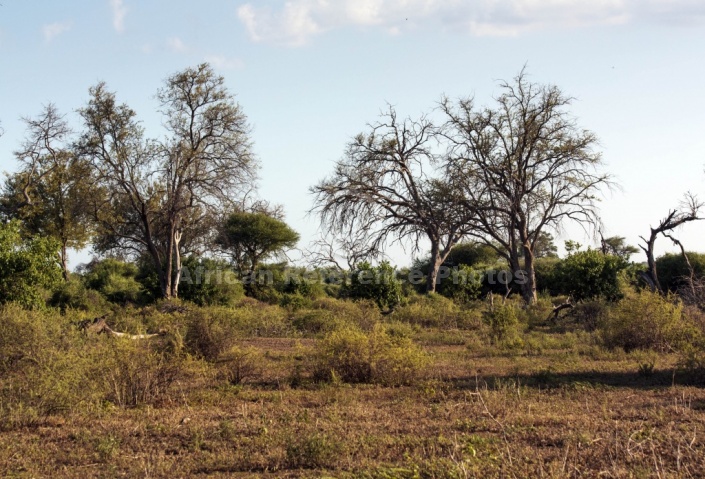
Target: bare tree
[688,211]
[389,187]
[164,193]
[341,253]
[525,167]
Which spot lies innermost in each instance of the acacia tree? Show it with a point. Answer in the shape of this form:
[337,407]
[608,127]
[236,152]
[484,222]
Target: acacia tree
[164,193]
[250,237]
[51,191]
[525,167]
[389,186]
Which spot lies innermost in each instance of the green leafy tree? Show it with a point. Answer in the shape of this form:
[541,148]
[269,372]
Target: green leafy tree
[52,192]
[250,238]
[590,274]
[617,245]
[544,247]
[378,283]
[27,266]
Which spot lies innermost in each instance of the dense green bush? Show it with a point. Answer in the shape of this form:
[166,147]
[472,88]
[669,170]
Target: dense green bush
[378,283]
[353,356]
[27,267]
[587,275]
[114,279]
[463,285]
[209,282]
[646,320]
[672,269]
[73,295]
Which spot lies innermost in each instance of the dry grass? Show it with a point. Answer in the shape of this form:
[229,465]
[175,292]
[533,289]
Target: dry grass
[570,410]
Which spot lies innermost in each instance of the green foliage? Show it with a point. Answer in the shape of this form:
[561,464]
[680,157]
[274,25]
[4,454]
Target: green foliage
[471,254]
[73,295]
[58,182]
[353,356]
[27,267]
[672,269]
[646,320]
[503,321]
[546,277]
[114,279]
[436,311]
[590,275]
[544,247]
[253,237]
[208,282]
[378,283]
[463,285]
[618,246]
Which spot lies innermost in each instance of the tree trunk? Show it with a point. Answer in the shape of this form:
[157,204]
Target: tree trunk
[528,289]
[652,275]
[177,265]
[64,260]
[436,262]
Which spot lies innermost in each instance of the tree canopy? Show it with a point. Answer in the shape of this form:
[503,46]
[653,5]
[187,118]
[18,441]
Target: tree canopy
[163,195]
[251,237]
[524,166]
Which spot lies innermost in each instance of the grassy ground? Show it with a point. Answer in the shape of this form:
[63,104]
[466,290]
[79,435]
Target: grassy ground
[557,407]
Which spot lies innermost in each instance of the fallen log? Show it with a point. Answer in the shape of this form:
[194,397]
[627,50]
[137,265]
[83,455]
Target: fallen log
[100,326]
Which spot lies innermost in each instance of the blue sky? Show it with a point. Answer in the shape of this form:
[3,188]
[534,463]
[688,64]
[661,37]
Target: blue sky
[311,73]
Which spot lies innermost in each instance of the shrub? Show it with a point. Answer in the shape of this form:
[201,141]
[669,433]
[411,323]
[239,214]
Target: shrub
[43,367]
[646,320]
[588,275]
[134,374]
[114,279]
[315,321]
[502,320]
[463,285]
[691,362]
[311,451]
[379,284]
[211,333]
[672,269]
[240,364]
[436,311]
[74,295]
[363,314]
[294,302]
[590,314]
[354,356]
[27,267]
[208,282]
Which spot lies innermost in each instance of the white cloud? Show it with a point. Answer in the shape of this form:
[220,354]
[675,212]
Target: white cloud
[52,30]
[298,21]
[176,45]
[224,63]
[119,13]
